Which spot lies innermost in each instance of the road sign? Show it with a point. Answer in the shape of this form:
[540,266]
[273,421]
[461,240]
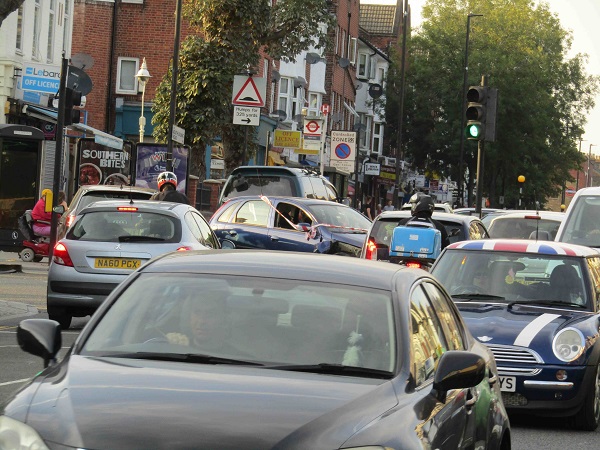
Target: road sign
[245,115]
[287,139]
[372,169]
[325,108]
[178,134]
[249,91]
[343,150]
[312,127]
[217,164]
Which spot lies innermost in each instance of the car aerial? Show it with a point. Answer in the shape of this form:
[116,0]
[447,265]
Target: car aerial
[536,305]
[441,207]
[107,241]
[257,349]
[277,181]
[94,192]
[377,243]
[273,223]
[582,219]
[541,225]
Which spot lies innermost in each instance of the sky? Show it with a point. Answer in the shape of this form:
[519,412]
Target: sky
[582,18]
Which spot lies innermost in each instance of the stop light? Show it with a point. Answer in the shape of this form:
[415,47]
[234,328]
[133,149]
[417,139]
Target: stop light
[72,100]
[476,112]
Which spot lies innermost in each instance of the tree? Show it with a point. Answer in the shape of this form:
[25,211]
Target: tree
[7,7]
[226,40]
[542,102]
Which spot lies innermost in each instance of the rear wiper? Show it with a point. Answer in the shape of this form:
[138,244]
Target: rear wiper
[469,297]
[184,357]
[334,369]
[129,238]
[547,303]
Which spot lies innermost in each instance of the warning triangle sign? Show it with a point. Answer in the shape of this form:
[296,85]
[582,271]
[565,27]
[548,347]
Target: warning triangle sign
[248,95]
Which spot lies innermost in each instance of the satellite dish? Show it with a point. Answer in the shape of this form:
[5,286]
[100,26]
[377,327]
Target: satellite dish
[358,85]
[360,127]
[280,114]
[79,80]
[312,58]
[337,117]
[275,76]
[299,118]
[375,90]
[299,82]
[343,62]
[82,61]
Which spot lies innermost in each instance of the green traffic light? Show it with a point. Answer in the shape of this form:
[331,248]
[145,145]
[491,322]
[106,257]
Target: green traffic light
[474,131]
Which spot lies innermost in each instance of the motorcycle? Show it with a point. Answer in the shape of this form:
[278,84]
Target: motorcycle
[36,247]
[415,244]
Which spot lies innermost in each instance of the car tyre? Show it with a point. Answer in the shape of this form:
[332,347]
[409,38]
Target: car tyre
[64,320]
[588,417]
[27,255]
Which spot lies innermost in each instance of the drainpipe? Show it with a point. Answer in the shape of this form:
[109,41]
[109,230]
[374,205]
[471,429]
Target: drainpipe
[109,97]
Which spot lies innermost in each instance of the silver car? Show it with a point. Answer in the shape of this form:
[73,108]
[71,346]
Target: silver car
[110,239]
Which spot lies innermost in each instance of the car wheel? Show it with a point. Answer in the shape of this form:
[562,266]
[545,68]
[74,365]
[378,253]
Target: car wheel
[27,255]
[64,320]
[588,417]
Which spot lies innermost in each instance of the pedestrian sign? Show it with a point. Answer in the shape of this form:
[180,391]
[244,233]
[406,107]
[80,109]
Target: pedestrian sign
[249,91]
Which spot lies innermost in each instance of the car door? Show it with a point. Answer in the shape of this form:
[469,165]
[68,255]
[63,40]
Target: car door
[283,236]
[248,226]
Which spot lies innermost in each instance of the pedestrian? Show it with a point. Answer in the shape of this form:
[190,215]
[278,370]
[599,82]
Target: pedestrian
[368,207]
[378,209]
[167,185]
[42,220]
[388,206]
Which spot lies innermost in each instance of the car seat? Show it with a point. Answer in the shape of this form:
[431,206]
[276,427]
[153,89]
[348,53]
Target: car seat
[566,284]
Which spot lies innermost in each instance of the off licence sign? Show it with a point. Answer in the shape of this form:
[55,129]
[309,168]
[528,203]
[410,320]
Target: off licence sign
[287,139]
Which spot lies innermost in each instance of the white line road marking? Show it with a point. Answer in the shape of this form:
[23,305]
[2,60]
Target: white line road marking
[15,382]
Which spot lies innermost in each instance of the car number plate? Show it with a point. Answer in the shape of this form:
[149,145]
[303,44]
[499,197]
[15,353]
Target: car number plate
[508,384]
[117,263]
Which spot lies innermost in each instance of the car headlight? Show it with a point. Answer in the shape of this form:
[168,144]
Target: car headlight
[15,434]
[568,344]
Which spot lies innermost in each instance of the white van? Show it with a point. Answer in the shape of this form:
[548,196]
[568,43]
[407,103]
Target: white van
[582,222]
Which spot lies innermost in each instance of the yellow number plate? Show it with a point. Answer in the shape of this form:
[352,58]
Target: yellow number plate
[117,263]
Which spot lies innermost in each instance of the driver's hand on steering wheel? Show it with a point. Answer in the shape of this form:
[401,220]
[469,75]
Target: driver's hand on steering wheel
[178,338]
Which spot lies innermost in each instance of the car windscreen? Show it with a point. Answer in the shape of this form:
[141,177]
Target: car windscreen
[94,196]
[340,216]
[508,276]
[582,225]
[270,185]
[120,226]
[271,322]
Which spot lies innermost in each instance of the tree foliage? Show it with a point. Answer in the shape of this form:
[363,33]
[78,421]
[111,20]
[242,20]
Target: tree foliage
[543,94]
[226,38]
[7,7]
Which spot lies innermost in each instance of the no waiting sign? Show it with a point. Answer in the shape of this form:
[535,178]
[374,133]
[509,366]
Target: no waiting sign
[343,150]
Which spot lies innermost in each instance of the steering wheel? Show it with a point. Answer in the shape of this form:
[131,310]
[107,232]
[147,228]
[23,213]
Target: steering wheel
[467,289]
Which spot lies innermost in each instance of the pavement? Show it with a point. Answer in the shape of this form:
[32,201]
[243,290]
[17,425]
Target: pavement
[11,263]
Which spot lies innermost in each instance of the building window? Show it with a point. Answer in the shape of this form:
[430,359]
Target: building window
[126,70]
[285,98]
[378,138]
[365,135]
[372,68]
[381,75]
[363,64]
[51,24]
[314,104]
[37,18]
[19,40]
[352,44]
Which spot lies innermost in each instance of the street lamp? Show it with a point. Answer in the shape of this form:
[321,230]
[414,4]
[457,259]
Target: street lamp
[521,180]
[588,182]
[143,76]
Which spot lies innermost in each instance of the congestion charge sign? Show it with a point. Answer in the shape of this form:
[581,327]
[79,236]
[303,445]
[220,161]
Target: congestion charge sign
[343,145]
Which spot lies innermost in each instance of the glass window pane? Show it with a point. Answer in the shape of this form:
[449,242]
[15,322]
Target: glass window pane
[127,78]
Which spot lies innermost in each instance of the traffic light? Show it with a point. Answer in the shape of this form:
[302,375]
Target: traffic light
[72,100]
[476,112]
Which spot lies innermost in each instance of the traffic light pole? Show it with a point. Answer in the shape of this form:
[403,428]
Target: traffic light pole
[478,197]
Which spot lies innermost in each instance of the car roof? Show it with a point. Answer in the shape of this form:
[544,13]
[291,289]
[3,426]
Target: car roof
[147,205]
[525,246]
[543,214]
[113,187]
[274,169]
[437,215]
[293,265]
[299,200]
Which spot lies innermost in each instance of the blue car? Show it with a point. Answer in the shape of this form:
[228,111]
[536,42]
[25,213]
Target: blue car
[290,224]
[536,305]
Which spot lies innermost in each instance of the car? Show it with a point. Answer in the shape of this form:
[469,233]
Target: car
[277,181]
[379,236]
[88,194]
[441,207]
[487,219]
[535,304]
[110,239]
[275,223]
[582,219]
[473,211]
[541,225]
[258,349]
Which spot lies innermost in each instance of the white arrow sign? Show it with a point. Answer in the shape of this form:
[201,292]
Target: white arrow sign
[246,115]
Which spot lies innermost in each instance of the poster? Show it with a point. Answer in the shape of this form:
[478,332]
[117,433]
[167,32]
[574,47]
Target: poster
[99,164]
[151,160]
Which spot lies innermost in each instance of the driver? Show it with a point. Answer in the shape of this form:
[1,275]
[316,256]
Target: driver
[167,185]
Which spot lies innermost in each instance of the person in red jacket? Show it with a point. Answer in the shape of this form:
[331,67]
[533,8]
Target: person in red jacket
[41,218]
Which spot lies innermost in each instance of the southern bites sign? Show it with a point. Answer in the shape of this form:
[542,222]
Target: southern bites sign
[99,164]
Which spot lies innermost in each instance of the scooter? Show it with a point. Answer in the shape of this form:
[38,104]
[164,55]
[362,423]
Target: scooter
[36,247]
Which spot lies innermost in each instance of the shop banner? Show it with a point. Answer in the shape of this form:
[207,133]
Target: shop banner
[99,164]
[151,160]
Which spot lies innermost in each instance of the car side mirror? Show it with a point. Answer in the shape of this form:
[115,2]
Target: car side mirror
[40,337]
[457,370]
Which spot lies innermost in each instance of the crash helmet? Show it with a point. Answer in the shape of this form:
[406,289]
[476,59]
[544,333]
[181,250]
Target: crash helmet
[421,203]
[166,177]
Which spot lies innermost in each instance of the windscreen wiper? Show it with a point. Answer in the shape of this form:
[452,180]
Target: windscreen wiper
[334,369]
[547,303]
[181,357]
[469,297]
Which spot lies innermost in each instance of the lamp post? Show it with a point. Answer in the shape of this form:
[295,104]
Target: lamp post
[521,180]
[143,76]
[578,167]
[462,105]
[588,181]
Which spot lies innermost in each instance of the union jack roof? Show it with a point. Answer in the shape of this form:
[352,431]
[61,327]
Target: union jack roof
[526,246]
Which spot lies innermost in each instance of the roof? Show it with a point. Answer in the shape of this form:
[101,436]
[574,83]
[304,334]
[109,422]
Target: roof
[114,187]
[437,215]
[525,246]
[377,19]
[551,215]
[299,200]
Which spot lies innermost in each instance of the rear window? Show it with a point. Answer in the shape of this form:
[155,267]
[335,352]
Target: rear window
[521,228]
[271,185]
[92,197]
[118,226]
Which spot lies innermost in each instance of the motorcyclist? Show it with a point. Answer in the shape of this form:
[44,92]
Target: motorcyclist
[167,185]
[422,207]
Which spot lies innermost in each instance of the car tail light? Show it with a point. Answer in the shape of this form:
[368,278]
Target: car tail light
[60,255]
[414,264]
[533,217]
[127,208]
[69,221]
[371,251]
[184,248]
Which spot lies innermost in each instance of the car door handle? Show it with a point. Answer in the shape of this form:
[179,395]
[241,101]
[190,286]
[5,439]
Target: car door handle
[274,238]
[232,233]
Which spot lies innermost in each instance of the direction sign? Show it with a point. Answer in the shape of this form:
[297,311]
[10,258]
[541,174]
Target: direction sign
[244,115]
[249,91]
[178,134]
